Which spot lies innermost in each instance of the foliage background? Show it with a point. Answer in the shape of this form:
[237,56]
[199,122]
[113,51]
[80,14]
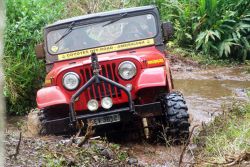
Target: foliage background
[219,28]
[23,72]
[214,28]
[2,106]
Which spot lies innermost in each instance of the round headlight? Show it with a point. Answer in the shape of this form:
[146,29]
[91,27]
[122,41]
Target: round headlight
[107,102]
[127,70]
[71,80]
[92,105]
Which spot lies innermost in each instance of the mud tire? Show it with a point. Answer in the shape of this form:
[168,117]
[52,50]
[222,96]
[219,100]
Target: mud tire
[35,125]
[44,130]
[176,117]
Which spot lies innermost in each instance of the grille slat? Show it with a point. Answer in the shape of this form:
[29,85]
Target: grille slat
[103,89]
[110,76]
[106,85]
[87,71]
[96,87]
[113,75]
[85,79]
[118,90]
[93,87]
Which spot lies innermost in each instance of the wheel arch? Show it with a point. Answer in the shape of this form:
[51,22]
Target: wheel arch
[51,96]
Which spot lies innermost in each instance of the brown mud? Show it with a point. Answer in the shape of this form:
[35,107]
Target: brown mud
[206,90]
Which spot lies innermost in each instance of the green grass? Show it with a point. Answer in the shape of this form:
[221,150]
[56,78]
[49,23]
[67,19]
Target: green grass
[228,136]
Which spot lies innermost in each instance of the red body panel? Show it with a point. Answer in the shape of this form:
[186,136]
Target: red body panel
[151,74]
[51,96]
[151,77]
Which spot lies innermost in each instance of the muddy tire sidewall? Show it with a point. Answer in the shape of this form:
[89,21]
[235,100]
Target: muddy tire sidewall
[176,117]
[34,125]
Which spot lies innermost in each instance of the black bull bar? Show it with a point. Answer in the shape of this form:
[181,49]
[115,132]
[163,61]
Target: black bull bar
[147,109]
[97,78]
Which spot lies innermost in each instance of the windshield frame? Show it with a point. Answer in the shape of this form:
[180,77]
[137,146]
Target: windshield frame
[83,23]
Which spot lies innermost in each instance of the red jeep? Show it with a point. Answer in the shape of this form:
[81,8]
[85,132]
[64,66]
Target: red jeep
[110,68]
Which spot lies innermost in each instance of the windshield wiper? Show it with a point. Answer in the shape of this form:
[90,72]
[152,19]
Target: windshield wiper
[67,32]
[115,20]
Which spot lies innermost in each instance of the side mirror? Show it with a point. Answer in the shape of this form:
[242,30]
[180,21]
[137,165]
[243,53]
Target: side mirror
[168,31]
[39,50]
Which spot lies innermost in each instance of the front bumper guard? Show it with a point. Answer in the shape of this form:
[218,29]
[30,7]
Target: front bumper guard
[96,78]
[144,110]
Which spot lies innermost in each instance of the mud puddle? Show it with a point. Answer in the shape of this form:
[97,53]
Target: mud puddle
[205,90]
[208,91]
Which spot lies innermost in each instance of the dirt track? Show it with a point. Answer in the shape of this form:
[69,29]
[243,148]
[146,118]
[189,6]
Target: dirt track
[205,90]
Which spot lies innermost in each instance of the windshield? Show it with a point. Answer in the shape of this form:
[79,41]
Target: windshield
[101,34]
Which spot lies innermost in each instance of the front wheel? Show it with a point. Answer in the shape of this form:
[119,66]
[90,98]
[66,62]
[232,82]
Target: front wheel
[175,117]
[37,123]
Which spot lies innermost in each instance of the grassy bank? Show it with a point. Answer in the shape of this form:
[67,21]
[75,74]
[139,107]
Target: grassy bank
[226,141]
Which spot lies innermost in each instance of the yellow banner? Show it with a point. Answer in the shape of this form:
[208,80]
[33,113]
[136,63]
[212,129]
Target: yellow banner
[106,49]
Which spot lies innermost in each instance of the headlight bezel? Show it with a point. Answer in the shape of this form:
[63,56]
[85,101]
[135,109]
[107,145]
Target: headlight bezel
[122,64]
[77,77]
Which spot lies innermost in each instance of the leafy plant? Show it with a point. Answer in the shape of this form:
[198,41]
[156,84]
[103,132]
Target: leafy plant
[23,72]
[220,28]
[230,25]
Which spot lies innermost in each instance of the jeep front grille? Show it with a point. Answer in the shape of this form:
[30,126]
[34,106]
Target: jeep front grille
[98,91]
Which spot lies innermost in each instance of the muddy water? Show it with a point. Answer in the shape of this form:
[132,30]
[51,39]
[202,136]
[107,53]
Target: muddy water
[205,91]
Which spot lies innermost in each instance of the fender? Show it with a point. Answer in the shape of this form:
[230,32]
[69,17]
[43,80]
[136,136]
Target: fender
[151,77]
[50,96]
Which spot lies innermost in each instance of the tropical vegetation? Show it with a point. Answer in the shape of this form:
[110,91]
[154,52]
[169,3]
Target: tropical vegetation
[220,28]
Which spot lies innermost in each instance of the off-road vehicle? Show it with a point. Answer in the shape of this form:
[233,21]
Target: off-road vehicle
[110,68]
